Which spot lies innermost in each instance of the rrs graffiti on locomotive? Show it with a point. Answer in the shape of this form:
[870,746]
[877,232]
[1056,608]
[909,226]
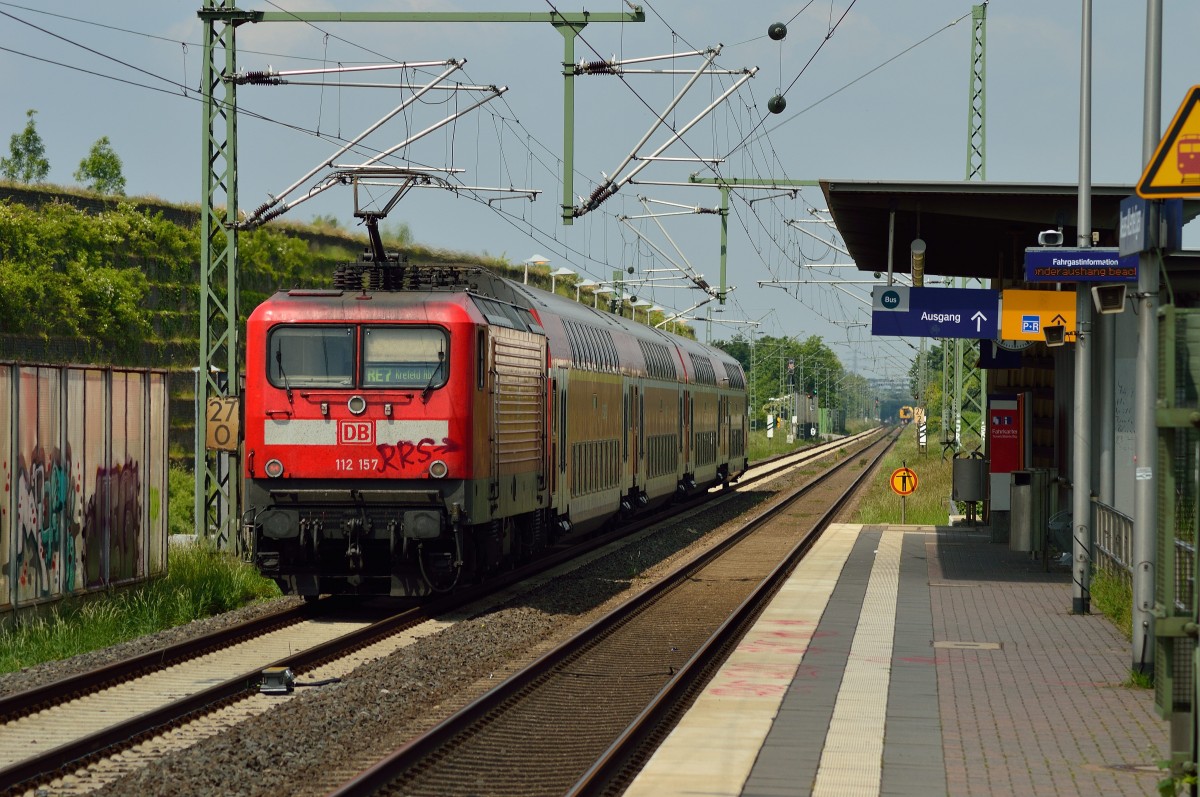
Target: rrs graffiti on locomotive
[406,453]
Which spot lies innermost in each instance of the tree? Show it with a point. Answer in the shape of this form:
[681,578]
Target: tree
[27,162]
[101,169]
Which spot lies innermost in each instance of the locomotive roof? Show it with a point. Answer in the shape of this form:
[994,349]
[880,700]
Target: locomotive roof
[410,291]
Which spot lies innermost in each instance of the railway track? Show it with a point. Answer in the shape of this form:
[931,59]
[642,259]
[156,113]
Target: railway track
[582,718]
[205,686]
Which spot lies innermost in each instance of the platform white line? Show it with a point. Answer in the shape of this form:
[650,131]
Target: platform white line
[712,751]
[852,759]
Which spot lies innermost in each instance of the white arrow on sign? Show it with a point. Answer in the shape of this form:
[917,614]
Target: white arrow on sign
[978,318]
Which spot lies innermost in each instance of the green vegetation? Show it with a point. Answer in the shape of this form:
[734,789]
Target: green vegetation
[101,169]
[1113,596]
[201,582]
[759,447]
[26,161]
[924,381]
[181,508]
[929,505]
[778,367]
[70,274]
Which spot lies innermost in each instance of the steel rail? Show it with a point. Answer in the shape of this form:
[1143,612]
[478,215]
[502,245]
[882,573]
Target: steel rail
[697,670]
[410,754]
[60,759]
[21,704]
[21,773]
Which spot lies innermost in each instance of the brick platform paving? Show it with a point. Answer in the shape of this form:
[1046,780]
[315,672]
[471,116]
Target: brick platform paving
[1045,712]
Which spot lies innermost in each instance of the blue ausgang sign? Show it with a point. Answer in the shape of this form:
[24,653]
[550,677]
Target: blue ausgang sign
[942,313]
[1058,264]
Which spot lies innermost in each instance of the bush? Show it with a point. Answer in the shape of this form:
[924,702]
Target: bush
[181,504]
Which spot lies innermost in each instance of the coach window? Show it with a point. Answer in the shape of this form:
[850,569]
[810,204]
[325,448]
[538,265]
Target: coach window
[405,357]
[310,356]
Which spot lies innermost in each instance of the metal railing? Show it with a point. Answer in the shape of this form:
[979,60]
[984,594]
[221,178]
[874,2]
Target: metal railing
[1114,543]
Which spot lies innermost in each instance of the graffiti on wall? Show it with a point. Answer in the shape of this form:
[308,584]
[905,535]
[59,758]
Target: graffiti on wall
[77,477]
[116,505]
[5,561]
[47,537]
[56,544]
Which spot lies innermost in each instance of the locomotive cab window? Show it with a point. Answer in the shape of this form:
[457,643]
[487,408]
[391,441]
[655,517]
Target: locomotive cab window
[406,357]
[311,356]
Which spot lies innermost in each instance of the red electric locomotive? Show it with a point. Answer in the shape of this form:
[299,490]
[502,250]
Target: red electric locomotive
[417,427]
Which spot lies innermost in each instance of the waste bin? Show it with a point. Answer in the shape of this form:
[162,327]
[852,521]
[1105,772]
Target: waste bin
[1020,532]
[1030,500]
[969,478]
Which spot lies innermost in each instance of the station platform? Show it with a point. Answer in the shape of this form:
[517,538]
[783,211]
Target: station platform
[918,660]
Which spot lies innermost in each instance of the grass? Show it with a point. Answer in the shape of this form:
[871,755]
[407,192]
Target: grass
[928,505]
[200,582]
[1114,598]
[760,447]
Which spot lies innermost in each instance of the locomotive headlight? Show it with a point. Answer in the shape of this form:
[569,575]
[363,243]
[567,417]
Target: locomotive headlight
[438,469]
[357,405]
[273,468]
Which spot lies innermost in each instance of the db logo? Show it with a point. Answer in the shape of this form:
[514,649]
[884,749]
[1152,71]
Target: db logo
[356,433]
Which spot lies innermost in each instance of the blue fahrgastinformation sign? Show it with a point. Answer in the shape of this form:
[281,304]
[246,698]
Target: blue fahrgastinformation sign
[1062,264]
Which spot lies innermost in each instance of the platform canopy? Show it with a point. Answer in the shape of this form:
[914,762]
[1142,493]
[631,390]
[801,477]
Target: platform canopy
[970,229]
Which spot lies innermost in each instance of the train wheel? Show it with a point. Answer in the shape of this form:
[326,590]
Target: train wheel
[489,541]
[530,536]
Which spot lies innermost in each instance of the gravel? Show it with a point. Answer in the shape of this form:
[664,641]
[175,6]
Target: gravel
[327,734]
[48,672]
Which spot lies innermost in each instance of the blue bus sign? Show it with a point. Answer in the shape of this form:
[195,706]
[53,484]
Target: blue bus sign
[936,312]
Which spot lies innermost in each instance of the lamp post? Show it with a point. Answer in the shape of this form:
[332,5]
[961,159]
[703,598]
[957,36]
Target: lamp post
[536,260]
[584,284]
[636,303]
[596,294]
[558,272]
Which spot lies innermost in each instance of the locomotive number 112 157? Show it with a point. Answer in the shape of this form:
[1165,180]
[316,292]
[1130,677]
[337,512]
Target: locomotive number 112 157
[351,464]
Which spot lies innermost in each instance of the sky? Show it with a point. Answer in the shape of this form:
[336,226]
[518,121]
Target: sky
[874,90]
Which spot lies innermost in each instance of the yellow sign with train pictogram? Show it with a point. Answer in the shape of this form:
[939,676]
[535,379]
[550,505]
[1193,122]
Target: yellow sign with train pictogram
[1174,170]
[904,481]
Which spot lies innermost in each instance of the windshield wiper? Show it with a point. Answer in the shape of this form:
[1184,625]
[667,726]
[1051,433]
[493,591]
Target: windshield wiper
[429,385]
[286,384]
